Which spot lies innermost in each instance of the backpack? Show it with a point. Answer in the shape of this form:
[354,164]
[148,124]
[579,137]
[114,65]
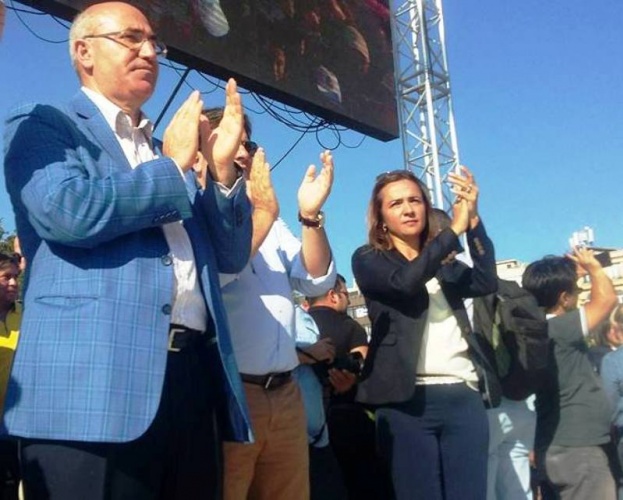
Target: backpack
[516,328]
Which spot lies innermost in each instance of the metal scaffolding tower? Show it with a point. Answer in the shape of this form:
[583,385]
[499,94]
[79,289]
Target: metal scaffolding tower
[423,93]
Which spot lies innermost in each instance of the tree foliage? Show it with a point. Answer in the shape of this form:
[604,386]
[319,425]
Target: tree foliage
[6,239]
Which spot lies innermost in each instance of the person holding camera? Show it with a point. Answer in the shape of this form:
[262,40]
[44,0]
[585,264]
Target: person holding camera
[425,368]
[351,430]
[348,336]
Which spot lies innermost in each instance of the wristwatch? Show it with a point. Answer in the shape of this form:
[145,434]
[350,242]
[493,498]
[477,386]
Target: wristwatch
[317,223]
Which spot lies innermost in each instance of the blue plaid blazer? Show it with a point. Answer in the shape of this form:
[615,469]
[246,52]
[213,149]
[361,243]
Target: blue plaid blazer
[93,347]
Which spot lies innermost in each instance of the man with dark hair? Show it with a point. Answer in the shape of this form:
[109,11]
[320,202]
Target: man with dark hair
[264,327]
[348,336]
[244,151]
[573,414]
[261,313]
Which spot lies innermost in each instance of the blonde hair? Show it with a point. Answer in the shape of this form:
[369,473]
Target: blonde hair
[616,316]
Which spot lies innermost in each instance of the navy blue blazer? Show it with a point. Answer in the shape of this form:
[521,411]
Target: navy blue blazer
[91,360]
[397,301]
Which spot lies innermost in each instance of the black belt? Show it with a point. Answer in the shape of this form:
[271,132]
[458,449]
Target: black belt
[269,381]
[181,337]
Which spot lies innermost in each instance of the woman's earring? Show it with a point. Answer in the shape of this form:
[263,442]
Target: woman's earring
[384,227]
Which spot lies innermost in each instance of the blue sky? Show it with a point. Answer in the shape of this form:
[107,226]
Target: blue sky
[538,103]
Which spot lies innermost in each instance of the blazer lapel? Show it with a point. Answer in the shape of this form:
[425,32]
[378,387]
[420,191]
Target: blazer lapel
[94,122]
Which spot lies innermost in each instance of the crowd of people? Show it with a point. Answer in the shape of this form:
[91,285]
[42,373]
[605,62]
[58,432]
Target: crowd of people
[162,352]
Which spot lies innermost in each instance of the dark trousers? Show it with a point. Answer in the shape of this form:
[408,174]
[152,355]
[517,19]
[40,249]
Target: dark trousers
[353,438]
[436,444]
[179,457]
[325,479]
[616,461]
[577,473]
[9,470]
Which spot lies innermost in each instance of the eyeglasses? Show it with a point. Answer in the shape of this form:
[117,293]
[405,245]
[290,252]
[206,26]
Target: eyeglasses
[250,146]
[133,40]
[341,292]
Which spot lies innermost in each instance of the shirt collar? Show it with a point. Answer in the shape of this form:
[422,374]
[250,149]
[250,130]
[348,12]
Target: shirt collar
[117,119]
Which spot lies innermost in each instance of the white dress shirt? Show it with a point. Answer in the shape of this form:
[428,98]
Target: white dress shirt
[188,306]
[259,303]
[443,352]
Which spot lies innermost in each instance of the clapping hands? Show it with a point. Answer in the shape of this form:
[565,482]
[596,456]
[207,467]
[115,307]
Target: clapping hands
[315,189]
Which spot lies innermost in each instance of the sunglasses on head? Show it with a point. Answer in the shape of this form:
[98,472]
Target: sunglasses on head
[394,173]
[250,146]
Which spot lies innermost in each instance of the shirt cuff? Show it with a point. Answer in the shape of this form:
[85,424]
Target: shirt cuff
[304,283]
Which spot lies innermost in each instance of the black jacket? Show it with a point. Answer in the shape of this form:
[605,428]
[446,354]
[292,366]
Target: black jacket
[397,301]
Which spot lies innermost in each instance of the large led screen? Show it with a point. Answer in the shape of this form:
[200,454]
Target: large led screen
[332,58]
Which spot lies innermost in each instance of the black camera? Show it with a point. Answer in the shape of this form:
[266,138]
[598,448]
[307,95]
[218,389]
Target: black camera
[352,362]
[604,259]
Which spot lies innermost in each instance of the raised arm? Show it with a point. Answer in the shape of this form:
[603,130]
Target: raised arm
[388,276]
[262,195]
[313,192]
[481,278]
[603,295]
[181,138]
[219,146]
[79,199]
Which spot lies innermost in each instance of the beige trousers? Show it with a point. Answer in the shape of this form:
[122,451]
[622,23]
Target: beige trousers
[276,466]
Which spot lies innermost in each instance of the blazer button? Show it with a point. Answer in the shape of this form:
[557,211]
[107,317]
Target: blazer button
[166,260]
[166,309]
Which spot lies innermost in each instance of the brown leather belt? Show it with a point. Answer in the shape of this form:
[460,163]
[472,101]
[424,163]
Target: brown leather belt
[269,381]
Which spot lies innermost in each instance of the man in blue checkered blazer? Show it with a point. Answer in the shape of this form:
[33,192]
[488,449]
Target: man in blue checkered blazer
[124,382]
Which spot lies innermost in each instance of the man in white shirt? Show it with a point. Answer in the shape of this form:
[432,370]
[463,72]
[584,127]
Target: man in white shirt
[261,315]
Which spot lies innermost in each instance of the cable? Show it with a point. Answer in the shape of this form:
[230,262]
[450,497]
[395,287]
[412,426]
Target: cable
[19,17]
[25,11]
[62,22]
[295,119]
[284,155]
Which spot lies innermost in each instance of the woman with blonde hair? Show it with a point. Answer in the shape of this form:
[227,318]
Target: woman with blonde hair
[612,376]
